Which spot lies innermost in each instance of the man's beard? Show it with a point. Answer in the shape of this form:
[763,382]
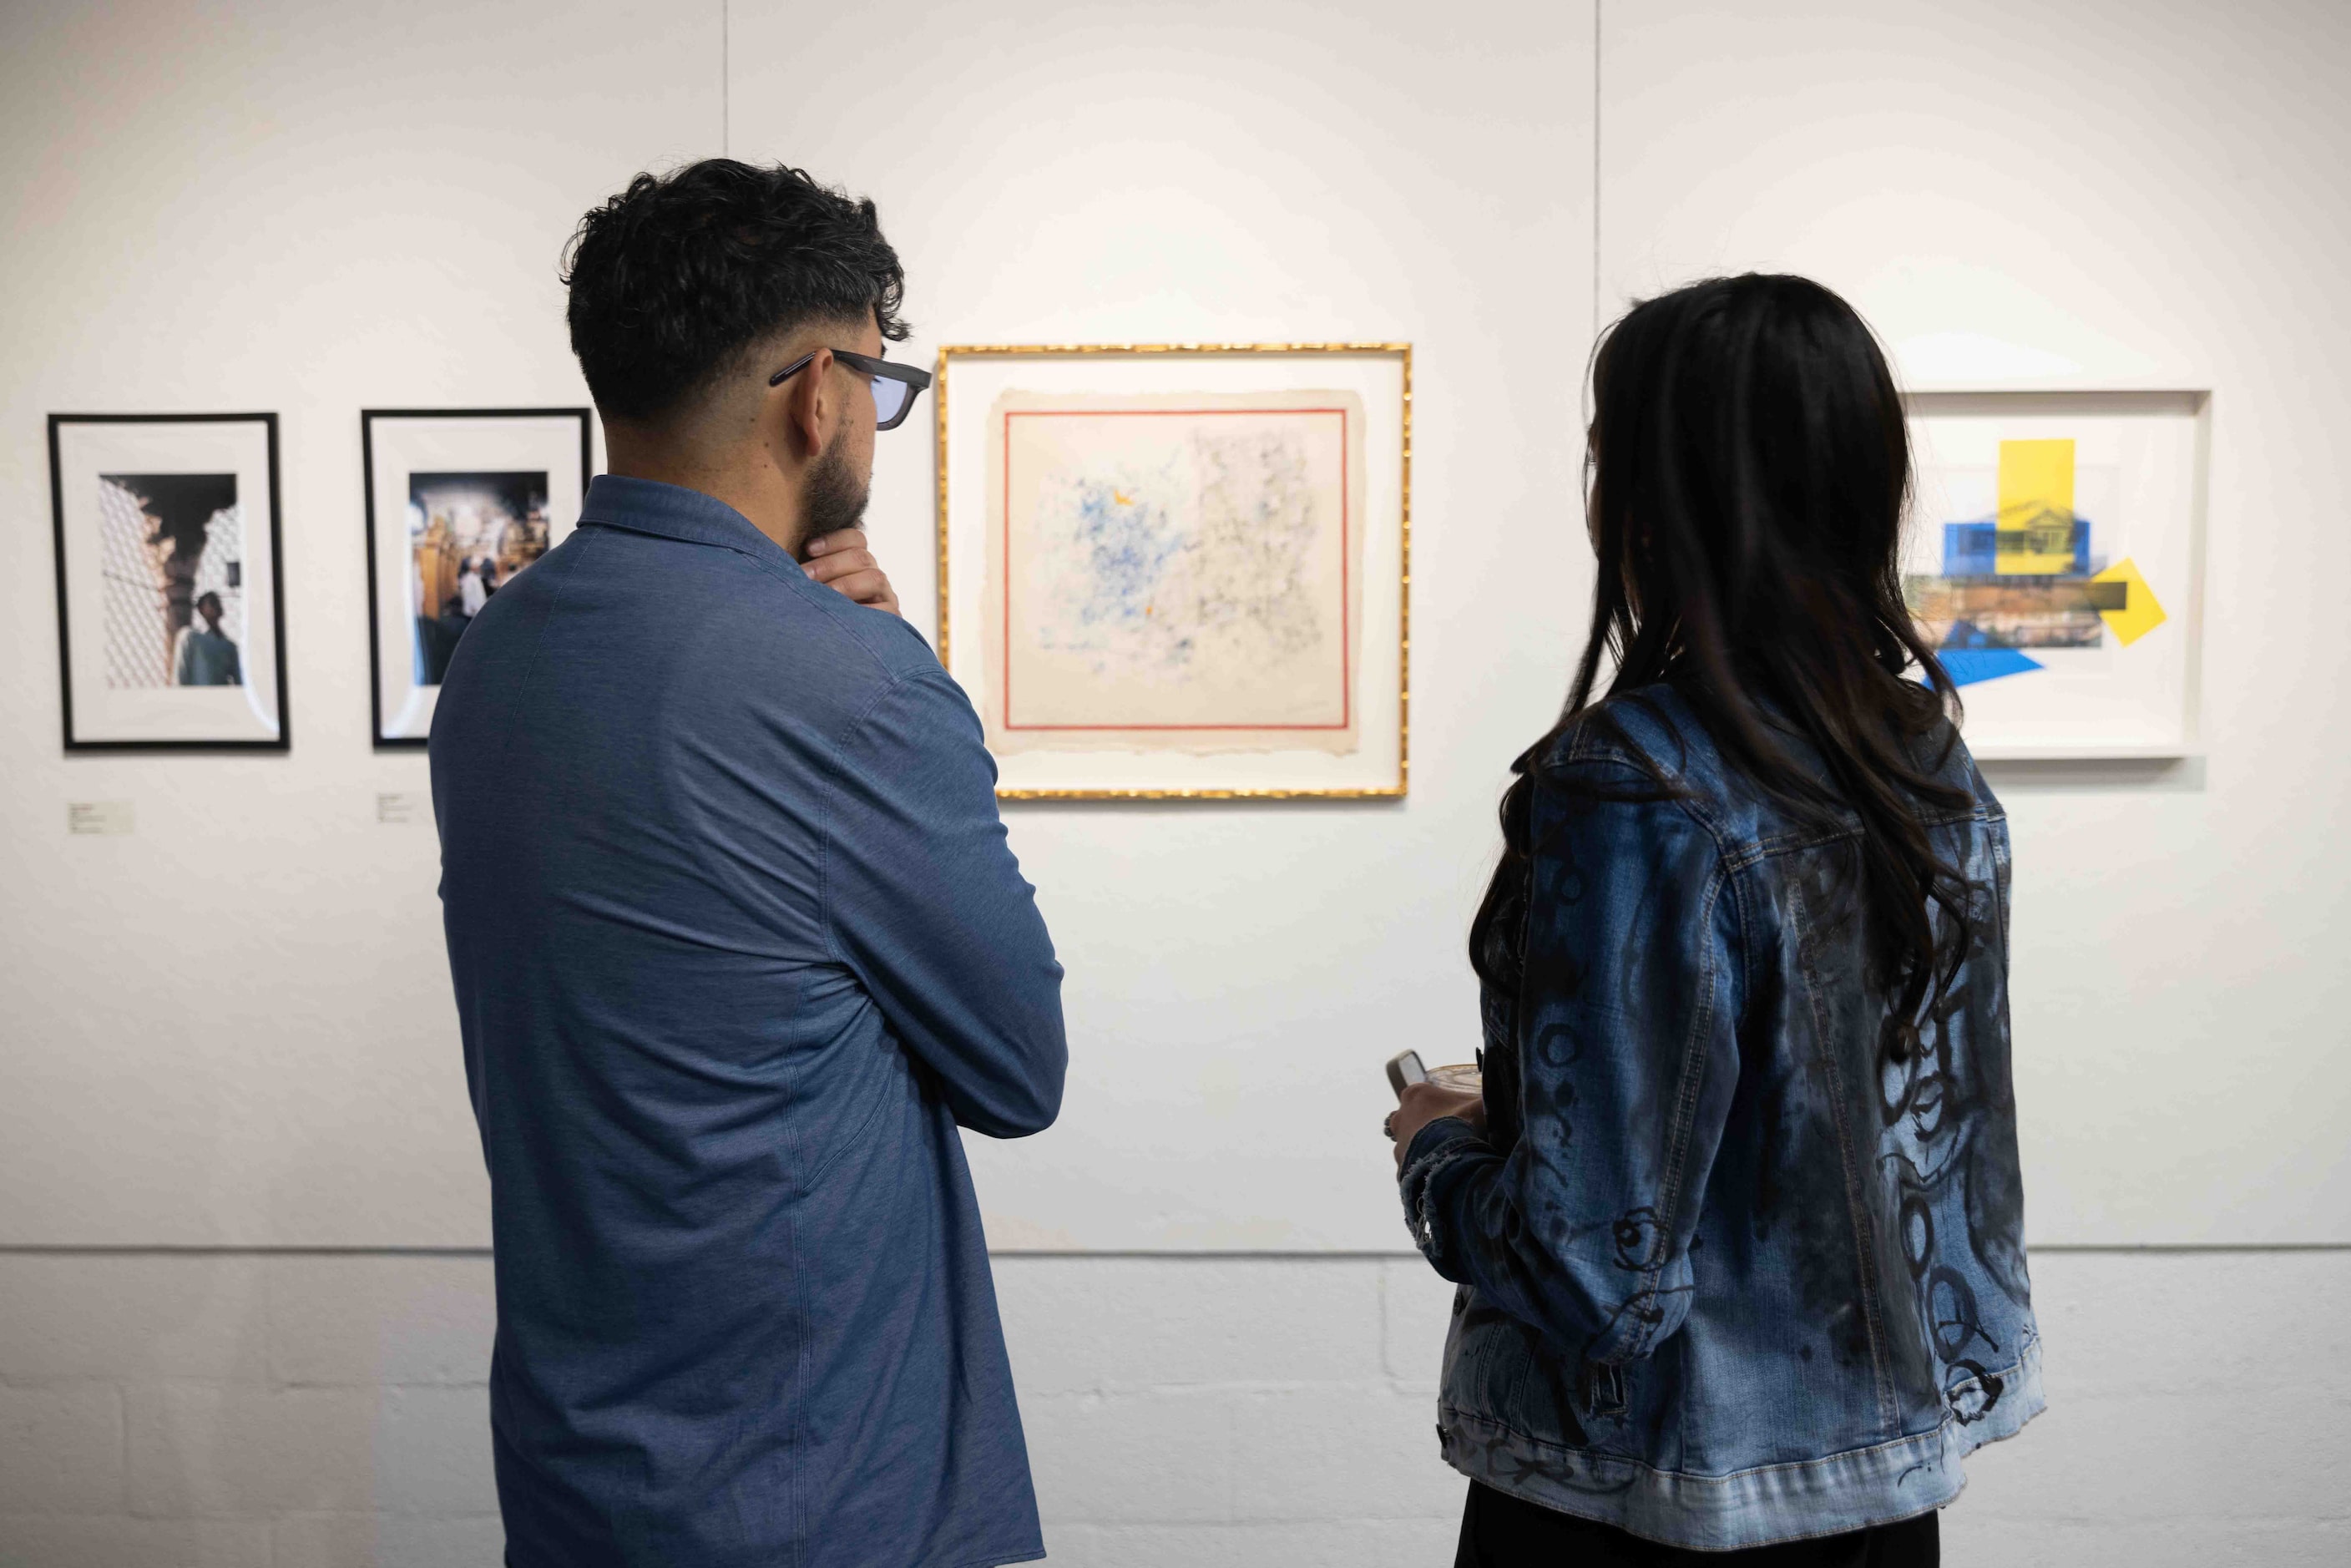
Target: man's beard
[835,497]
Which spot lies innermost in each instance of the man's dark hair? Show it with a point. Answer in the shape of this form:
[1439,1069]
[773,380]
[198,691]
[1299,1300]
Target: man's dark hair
[673,279]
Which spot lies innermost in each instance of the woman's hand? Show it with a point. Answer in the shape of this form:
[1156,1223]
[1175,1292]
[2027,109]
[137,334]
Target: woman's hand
[1422,1103]
[842,562]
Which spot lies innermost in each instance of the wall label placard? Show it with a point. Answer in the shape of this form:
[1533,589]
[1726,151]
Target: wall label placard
[402,807]
[111,818]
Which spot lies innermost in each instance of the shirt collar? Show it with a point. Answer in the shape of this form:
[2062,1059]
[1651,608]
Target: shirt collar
[673,511]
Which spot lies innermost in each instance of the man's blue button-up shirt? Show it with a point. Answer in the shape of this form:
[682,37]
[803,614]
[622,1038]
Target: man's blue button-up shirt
[737,943]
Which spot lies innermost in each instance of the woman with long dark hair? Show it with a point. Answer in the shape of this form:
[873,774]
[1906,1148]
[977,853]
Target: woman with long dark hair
[1737,1222]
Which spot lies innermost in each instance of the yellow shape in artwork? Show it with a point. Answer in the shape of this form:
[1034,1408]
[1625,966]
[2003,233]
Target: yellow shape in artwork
[2033,533]
[2140,614]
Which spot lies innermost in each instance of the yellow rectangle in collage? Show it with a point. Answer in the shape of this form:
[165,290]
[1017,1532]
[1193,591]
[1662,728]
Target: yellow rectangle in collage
[2141,612]
[2033,530]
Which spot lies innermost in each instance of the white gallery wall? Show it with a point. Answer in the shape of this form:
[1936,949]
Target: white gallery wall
[232,1026]
[1249,171]
[2107,194]
[237,1018]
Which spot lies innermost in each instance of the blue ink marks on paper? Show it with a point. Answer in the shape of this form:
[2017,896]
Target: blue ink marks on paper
[1127,539]
[1197,569]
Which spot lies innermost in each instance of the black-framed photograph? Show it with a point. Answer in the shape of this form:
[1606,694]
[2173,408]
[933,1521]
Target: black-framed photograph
[459,501]
[171,612]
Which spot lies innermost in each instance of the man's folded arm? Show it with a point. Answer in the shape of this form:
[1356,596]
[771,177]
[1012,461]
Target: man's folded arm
[925,903]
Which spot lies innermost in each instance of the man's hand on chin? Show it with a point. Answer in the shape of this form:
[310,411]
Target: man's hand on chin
[841,562]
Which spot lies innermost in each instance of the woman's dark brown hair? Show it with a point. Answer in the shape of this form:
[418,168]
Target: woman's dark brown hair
[1747,467]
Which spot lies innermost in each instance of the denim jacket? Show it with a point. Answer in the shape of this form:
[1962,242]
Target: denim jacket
[1732,1271]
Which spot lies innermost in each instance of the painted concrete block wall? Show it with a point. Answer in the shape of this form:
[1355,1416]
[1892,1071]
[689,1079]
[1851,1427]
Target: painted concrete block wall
[243,1410]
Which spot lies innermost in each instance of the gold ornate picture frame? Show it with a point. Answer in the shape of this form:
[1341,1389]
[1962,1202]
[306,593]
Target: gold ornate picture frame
[1180,572]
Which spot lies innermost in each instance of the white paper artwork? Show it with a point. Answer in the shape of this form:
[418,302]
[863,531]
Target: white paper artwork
[1175,572]
[2055,565]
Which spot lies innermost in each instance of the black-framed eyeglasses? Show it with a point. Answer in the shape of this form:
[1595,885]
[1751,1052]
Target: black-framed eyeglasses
[896,387]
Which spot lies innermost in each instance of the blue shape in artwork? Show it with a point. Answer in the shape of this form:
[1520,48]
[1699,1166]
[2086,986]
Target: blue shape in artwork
[1971,548]
[1968,549]
[1966,666]
[1966,633]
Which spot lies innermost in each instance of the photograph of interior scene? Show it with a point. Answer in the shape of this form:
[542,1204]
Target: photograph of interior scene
[1147,785]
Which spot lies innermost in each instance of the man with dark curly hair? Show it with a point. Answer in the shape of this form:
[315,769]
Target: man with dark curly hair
[737,941]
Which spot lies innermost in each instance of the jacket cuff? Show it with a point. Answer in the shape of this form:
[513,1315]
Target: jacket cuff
[1435,1150]
[1433,1137]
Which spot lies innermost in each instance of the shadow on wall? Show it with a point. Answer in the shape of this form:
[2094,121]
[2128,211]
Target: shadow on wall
[2140,775]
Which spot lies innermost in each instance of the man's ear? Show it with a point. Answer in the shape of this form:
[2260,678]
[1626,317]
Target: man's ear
[809,408]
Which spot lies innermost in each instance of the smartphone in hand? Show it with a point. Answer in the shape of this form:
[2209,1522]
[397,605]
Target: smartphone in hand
[1405,1068]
